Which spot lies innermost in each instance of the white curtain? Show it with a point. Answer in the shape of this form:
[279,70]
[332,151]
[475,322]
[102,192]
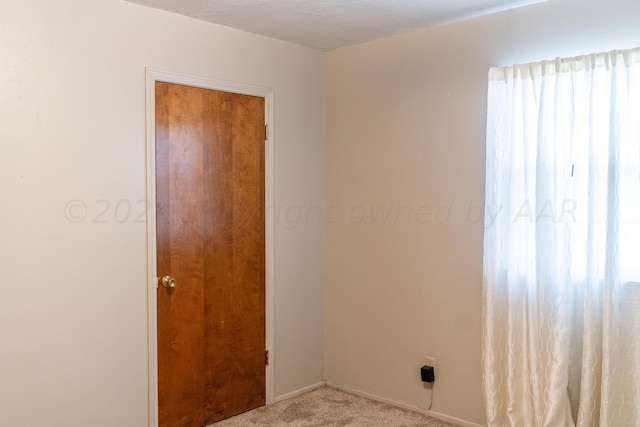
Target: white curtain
[562,243]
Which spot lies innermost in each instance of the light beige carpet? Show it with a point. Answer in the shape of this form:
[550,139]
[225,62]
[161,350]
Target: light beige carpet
[327,406]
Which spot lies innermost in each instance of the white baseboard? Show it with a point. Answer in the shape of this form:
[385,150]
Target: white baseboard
[299,391]
[404,405]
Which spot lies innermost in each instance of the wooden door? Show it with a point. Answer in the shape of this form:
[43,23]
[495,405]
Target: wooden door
[211,238]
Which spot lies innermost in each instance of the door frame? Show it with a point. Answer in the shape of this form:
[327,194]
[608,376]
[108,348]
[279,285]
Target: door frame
[152,282]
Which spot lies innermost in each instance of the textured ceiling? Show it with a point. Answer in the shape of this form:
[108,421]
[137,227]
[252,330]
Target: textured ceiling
[331,24]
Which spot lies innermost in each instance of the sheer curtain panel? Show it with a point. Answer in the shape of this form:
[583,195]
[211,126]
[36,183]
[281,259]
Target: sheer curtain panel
[562,243]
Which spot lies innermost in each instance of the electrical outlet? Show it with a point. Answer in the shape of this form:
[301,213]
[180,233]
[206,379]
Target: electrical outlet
[430,361]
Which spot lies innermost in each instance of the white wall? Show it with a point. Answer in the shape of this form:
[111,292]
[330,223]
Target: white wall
[405,133]
[73,301]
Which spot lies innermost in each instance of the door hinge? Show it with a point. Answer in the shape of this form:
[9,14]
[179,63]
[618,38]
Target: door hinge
[266,357]
[266,132]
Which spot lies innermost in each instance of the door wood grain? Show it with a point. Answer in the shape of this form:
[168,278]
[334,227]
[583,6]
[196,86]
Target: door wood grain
[210,216]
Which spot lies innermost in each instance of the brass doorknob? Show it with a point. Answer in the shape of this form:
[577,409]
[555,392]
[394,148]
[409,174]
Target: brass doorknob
[169,282]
